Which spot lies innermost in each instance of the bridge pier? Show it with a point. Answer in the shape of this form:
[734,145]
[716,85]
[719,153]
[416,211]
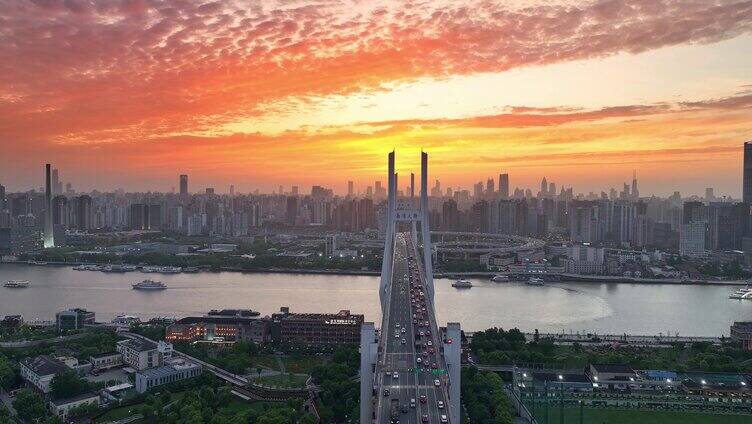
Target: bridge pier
[453,358]
[368,356]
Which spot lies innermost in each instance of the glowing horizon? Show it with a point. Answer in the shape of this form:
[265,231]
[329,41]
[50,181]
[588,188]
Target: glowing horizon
[132,93]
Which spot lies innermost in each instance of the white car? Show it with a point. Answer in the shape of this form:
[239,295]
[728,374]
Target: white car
[404,330]
[437,383]
[396,335]
[396,375]
[440,404]
[444,419]
[403,341]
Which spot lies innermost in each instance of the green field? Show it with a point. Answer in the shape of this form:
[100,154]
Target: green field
[302,364]
[617,416]
[288,381]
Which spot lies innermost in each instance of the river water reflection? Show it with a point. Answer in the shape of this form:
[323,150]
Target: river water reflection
[600,307]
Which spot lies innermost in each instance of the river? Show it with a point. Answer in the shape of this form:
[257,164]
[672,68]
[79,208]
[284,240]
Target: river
[613,308]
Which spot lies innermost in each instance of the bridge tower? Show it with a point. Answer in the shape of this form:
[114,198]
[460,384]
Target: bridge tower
[416,216]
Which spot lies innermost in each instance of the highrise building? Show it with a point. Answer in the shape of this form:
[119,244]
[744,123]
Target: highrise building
[184,184]
[49,237]
[747,182]
[635,191]
[232,189]
[504,186]
[350,188]
[490,187]
[2,197]
[544,187]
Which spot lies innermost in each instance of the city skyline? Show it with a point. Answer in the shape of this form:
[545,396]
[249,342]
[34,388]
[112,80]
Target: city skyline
[128,96]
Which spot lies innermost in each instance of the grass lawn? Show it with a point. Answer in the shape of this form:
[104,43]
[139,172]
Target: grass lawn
[302,364]
[267,361]
[118,413]
[288,381]
[618,416]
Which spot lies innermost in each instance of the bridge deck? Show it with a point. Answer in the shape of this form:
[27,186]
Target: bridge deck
[409,310]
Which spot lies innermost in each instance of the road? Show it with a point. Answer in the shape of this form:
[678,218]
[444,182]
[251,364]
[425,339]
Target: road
[413,393]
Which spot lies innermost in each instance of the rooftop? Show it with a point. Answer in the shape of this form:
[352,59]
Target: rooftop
[44,365]
[83,396]
[138,344]
[613,368]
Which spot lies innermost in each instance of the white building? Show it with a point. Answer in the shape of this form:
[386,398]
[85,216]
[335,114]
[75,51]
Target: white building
[38,372]
[106,360]
[139,354]
[692,239]
[62,407]
[584,259]
[176,370]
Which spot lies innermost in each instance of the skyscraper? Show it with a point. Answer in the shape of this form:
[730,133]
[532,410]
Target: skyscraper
[747,183]
[49,237]
[544,187]
[635,191]
[504,186]
[350,188]
[184,184]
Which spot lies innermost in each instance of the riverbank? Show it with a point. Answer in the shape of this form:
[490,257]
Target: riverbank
[565,277]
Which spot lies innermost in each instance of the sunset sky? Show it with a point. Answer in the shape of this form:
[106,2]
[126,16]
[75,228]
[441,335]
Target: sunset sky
[131,93]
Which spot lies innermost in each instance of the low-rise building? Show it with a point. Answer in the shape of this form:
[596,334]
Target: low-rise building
[73,319]
[316,330]
[62,407]
[741,331]
[175,370]
[612,376]
[220,328]
[139,354]
[106,360]
[38,372]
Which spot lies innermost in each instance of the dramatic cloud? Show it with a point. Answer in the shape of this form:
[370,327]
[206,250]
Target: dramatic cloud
[81,71]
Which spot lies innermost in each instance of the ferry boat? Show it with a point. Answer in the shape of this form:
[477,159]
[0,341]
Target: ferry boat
[124,319]
[745,293]
[462,284]
[500,278]
[149,285]
[17,284]
[114,268]
[535,281]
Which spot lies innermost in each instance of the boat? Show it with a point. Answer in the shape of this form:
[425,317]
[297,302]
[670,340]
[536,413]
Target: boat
[149,285]
[114,268]
[124,319]
[535,281]
[500,278]
[169,269]
[462,284]
[745,293]
[190,269]
[17,284]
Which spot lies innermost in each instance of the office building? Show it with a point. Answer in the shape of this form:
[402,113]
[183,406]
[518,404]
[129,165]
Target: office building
[39,371]
[106,360]
[747,177]
[692,239]
[184,184]
[49,236]
[583,259]
[504,186]
[139,354]
[315,330]
[74,319]
[175,370]
[350,188]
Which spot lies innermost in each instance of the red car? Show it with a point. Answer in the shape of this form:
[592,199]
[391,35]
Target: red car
[423,399]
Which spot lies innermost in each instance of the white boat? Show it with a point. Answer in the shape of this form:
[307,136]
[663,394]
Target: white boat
[500,278]
[124,319]
[745,293]
[149,285]
[114,268]
[169,269]
[17,284]
[462,284]
[535,281]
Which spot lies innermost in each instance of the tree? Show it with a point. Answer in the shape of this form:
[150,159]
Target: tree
[68,384]
[29,405]
[7,373]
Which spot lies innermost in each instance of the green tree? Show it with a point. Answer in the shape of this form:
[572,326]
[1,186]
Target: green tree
[68,384]
[29,405]
[7,373]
